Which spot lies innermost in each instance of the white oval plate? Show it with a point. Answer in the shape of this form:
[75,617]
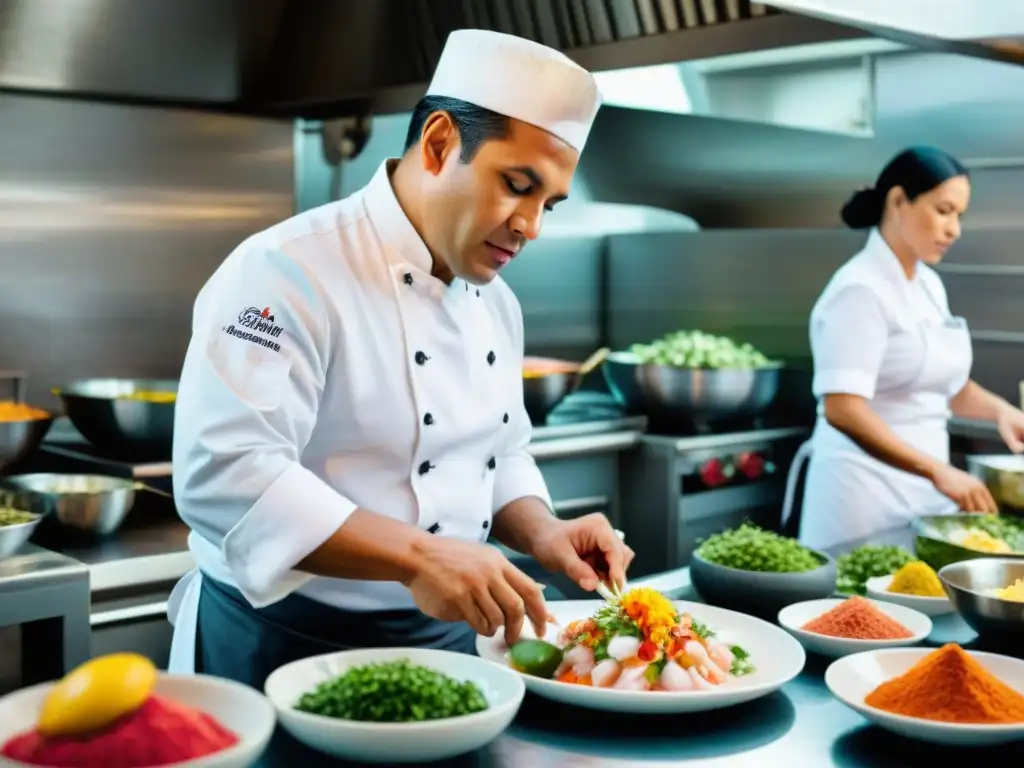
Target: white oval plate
[793,617]
[776,656]
[852,678]
[235,706]
[396,742]
[878,588]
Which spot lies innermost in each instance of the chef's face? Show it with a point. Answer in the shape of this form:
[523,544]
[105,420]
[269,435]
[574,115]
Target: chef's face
[480,214]
[930,224]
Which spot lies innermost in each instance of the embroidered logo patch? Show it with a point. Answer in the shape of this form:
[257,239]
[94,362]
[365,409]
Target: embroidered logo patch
[257,326]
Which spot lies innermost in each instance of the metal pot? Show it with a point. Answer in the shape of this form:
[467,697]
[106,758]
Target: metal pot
[110,414]
[690,394]
[546,381]
[20,438]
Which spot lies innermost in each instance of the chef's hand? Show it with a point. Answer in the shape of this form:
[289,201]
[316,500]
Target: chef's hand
[586,549]
[966,490]
[1010,424]
[465,581]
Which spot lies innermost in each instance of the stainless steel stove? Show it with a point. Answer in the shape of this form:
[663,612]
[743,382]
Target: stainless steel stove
[677,490]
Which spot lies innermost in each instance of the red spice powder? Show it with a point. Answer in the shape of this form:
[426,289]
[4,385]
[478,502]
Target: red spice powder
[857,619]
[160,732]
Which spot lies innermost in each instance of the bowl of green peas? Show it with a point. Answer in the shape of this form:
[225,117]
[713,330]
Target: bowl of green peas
[759,572]
[395,705]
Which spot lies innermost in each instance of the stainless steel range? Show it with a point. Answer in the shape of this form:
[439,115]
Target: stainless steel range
[677,490]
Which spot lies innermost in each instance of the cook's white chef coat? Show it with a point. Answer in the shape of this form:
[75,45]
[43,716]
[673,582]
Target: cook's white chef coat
[891,340]
[328,371]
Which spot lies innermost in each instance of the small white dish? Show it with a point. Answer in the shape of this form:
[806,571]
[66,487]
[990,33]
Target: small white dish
[776,656]
[237,707]
[391,743]
[878,588]
[852,678]
[792,618]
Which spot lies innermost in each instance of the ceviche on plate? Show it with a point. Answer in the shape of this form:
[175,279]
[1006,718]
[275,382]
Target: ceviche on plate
[642,652]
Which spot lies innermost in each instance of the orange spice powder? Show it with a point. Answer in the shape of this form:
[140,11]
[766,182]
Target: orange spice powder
[857,619]
[951,686]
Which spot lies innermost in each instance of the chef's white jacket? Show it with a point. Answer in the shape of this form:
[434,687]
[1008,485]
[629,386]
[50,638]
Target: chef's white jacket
[890,339]
[328,371]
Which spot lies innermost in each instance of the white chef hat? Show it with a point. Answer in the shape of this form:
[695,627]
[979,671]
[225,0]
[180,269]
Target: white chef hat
[518,78]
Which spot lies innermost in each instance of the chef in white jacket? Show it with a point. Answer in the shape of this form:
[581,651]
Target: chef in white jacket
[350,425]
[891,363]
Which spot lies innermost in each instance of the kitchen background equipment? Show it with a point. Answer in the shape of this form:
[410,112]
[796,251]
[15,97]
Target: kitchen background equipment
[20,438]
[547,381]
[682,488]
[94,504]
[997,621]
[1004,476]
[701,397]
[108,416]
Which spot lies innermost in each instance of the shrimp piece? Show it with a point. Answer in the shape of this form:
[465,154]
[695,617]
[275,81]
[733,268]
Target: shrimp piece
[580,658]
[699,683]
[698,653]
[721,656]
[632,679]
[623,647]
[675,678]
[714,675]
[605,673]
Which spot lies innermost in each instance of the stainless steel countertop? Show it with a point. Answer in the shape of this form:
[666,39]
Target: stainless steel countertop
[801,725]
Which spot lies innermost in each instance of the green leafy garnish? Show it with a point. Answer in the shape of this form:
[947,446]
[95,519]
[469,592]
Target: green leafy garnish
[867,562]
[702,631]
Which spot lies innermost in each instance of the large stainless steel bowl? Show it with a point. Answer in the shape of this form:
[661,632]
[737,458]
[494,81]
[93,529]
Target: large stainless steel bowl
[90,503]
[107,415]
[1004,476]
[690,394]
[968,584]
[548,382]
[932,546]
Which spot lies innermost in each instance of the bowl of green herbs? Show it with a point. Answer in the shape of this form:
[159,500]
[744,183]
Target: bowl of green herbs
[858,566]
[759,572]
[395,705]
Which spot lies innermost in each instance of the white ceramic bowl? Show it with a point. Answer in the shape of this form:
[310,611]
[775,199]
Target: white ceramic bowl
[793,618]
[776,656]
[878,588]
[396,742]
[237,707]
[852,678]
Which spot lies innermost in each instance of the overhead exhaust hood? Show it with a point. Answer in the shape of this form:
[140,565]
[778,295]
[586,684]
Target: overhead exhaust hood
[991,29]
[328,58]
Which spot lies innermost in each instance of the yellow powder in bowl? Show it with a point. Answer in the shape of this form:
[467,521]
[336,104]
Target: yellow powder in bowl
[917,578]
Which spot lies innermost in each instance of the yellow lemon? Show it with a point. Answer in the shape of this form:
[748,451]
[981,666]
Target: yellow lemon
[96,694]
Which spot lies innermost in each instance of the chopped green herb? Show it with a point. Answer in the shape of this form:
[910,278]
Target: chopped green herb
[701,630]
[749,548]
[867,562]
[393,692]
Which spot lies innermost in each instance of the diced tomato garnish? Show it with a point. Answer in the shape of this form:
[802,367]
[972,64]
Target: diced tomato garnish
[568,677]
[648,651]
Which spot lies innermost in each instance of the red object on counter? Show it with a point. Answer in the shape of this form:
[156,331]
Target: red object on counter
[160,732]
[751,465]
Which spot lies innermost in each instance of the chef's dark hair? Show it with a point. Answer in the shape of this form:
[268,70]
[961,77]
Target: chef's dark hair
[475,125]
[917,170]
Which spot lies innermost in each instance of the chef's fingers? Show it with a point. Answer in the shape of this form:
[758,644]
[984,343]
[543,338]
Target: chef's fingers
[533,598]
[1010,435]
[628,555]
[614,552]
[489,609]
[512,607]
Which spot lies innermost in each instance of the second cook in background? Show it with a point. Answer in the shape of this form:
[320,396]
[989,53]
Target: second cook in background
[891,362]
[350,426]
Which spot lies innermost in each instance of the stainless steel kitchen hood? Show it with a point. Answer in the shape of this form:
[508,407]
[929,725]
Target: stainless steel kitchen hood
[325,58]
[991,29]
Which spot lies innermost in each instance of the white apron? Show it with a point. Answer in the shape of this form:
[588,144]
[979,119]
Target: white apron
[850,495]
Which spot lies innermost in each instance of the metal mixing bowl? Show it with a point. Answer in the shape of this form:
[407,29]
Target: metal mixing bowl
[92,503]
[690,394]
[1004,476]
[19,438]
[968,582]
[107,417]
[12,537]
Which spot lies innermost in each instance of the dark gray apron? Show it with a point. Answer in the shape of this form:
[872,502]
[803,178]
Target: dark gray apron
[242,643]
